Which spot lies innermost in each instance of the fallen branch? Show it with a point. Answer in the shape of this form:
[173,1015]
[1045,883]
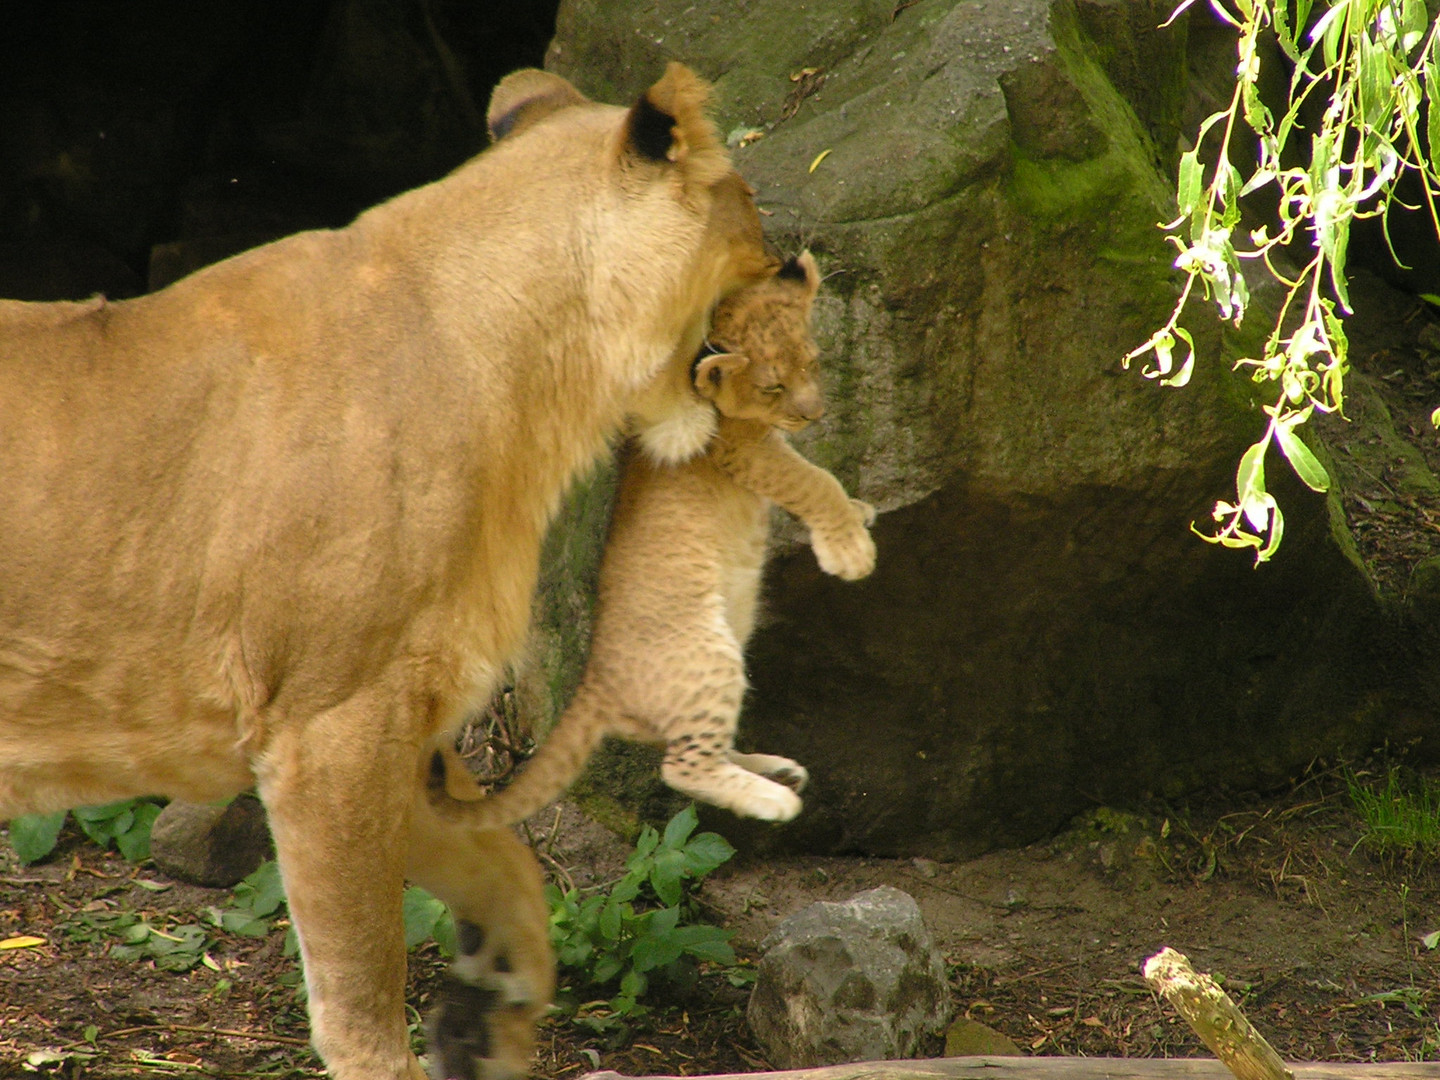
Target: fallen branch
[223,1033]
[1214,1017]
[1058,1068]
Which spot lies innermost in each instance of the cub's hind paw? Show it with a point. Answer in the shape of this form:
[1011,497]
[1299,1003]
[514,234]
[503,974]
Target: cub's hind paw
[732,786]
[775,802]
[782,770]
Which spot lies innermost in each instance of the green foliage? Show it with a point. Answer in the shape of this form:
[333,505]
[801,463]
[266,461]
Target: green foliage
[426,918]
[125,824]
[259,903]
[1400,820]
[33,836]
[620,938]
[255,904]
[172,948]
[1377,60]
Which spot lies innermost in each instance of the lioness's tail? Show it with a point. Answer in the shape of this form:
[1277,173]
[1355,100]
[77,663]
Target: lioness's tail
[453,792]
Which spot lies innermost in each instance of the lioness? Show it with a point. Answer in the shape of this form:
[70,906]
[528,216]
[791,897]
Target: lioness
[279,523]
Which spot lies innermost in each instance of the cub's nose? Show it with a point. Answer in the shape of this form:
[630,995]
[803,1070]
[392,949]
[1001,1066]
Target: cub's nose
[811,410]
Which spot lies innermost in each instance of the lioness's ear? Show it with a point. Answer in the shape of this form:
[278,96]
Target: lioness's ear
[712,371]
[668,123]
[525,96]
[803,270]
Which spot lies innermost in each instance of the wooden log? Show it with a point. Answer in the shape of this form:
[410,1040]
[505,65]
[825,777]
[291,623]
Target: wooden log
[1215,1018]
[1062,1068]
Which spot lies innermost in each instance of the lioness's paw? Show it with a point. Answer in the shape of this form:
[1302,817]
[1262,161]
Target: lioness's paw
[849,555]
[864,510]
[460,1032]
[481,1025]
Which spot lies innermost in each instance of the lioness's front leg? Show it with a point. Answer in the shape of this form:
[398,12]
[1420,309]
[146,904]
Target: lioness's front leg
[482,1026]
[341,823]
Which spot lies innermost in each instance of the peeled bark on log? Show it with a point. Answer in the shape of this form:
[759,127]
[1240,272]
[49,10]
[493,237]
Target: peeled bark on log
[1060,1068]
[1214,1017]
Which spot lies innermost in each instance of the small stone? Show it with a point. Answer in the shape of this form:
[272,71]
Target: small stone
[859,980]
[211,845]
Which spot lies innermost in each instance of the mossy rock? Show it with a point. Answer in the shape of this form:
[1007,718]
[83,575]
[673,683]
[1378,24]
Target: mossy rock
[1043,630]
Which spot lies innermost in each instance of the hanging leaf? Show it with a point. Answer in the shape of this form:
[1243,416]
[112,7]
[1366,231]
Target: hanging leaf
[1187,366]
[1191,177]
[1306,465]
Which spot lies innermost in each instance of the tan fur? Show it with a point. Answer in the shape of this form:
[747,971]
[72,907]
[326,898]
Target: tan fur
[681,576]
[279,524]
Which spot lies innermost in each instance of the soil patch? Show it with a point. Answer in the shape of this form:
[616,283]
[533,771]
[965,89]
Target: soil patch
[1321,944]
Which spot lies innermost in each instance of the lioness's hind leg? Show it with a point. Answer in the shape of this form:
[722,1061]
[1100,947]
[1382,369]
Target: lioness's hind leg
[782,770]
[503,977]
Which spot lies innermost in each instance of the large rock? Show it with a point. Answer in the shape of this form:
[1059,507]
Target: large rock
[854,981]
[1043,630]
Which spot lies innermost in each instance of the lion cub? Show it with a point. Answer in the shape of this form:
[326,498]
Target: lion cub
[681,574]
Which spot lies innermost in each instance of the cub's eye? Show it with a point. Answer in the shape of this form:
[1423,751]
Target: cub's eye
[773,390]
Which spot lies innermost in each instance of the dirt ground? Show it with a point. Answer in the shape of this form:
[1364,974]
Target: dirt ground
[1319,941]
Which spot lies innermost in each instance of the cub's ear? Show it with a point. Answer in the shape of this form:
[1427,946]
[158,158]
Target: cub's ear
[803,270]
[712,370]
[525,96]
[668,124]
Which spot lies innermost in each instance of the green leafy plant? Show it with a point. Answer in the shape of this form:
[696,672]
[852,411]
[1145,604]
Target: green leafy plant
[1372,63]
[258,906]
[124,824]
[1399,820]
[134,937]
[621,935]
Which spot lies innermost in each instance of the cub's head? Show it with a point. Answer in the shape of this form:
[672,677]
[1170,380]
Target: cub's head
[764,364]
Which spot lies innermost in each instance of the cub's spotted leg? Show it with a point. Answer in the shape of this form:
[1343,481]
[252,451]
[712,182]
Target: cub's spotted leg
[483,1024]
[699,765]
[780,769]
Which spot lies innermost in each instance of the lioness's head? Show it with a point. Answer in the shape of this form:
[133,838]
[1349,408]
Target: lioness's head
[675,187]
[763,366]
[672,185]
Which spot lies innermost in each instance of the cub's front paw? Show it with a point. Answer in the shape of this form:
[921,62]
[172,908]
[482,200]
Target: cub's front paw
[850,554]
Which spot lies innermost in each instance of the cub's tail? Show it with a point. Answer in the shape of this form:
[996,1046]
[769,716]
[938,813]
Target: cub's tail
[454,794]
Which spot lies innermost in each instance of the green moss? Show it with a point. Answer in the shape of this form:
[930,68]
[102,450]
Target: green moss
[621,788]
[569,563]
[1062,192]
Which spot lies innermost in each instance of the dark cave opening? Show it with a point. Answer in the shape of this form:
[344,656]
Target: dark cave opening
[139,141]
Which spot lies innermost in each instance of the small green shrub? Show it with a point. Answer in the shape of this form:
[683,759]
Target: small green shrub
[259,901]
[1400,820]
[176,948]
[125,824]
[621,937]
